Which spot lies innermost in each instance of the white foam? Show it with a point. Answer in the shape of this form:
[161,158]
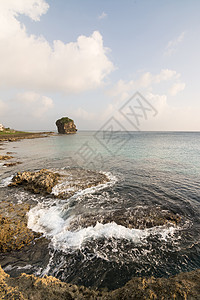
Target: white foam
[61,187]
[10,267]
[6,181]
[65,186]
[49,221]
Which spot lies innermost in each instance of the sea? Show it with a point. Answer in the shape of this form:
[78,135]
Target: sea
[151,175]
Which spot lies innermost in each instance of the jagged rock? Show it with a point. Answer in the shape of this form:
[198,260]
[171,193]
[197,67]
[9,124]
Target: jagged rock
[181,286]
[66,126]
[37,182]
[14,233]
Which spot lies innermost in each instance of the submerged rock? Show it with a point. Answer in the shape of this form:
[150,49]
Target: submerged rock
[181,286]
[66,126]
[138,218]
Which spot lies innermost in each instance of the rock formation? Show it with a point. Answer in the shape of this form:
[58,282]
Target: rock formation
[37,182]
[66,126]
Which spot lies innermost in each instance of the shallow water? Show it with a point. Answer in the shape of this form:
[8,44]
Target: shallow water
[149,172]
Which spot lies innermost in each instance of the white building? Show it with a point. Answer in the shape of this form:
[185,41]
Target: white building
[1,127]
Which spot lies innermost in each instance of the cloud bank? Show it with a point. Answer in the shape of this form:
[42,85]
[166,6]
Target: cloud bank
[147,81]
[30,62]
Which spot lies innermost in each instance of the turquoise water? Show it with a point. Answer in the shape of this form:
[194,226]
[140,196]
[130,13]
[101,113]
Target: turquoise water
[149,171]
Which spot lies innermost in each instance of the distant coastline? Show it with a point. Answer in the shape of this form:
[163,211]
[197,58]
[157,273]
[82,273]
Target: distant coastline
[19,135]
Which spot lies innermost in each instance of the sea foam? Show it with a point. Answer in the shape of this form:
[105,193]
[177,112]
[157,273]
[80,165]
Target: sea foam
[49,221]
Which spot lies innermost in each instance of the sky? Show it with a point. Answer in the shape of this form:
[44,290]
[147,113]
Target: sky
[88,60]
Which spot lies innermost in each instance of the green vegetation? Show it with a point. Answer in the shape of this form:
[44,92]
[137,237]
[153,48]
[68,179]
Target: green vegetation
[10,132]
[65,120]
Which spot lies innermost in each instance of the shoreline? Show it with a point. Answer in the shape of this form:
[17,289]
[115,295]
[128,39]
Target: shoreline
[180,286]
[24,135]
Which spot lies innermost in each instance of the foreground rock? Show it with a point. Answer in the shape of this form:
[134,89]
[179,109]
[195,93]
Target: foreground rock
[66,126]
[63,185]
[14,233]
[181,286]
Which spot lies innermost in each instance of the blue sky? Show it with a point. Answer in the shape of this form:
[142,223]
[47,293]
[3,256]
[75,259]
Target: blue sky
[104,52]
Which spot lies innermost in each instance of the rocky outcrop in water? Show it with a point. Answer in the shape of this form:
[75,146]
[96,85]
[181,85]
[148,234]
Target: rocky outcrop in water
[181,286]
[137,218]
[66,126]
[14,233]
[37,182]
[70,181]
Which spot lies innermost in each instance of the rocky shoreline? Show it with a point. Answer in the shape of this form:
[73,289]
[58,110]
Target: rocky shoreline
[24,287]
[23,135]
[15,236]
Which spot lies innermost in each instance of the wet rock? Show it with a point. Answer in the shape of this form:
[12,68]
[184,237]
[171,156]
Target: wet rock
[12,164]
[75,179]
[37,182]
[138,218]
[14,233]
[66,126]
[29,259]
[5,157]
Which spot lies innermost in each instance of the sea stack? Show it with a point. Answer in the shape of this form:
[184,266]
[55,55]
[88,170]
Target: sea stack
[66,126]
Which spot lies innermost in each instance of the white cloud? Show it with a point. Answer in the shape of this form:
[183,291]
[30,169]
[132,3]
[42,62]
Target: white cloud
[173,44]
[35,104]
[29,62]
[147,80]
[31,8]
[81,113]
[102,16]
[176,88]
[157,101]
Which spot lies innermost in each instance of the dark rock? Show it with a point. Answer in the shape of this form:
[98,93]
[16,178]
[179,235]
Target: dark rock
[139,218]
[66,126]
[12,164]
